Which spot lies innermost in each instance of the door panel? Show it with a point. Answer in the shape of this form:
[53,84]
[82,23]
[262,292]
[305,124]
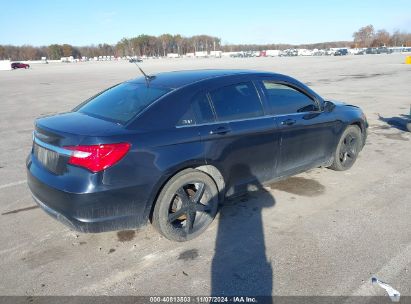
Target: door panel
[246,153]
[307,135]
[306,143]
[243,143]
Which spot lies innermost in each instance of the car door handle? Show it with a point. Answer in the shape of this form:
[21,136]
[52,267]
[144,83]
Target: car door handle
[220,130]
[288,122]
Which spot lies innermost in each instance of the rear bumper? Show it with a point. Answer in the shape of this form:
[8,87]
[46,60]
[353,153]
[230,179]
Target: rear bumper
[91,212]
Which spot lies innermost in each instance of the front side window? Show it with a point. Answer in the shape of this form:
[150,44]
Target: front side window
[122,102]
[283,99]
[236,102]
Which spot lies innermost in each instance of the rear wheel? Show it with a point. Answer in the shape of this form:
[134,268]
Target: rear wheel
[347,149]
[186,205]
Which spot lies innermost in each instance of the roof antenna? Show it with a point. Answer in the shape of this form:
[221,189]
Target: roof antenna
[147,77]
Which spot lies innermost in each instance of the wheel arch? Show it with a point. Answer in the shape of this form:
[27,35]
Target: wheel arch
[358,124]
[363,129]
[216,175]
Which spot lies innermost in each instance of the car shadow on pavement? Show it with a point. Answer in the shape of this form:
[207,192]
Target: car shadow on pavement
[402,122]
[240,266]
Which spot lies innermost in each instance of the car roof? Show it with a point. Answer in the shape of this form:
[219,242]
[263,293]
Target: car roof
[178,79]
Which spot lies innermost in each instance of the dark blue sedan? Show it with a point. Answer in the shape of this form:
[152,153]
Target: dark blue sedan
[168,148]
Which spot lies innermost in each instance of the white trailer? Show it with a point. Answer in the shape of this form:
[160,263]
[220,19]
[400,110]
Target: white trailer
[272,53]
[216,54]
[202,54]
[5,65]
[305,52]
[189,55]
[173,55]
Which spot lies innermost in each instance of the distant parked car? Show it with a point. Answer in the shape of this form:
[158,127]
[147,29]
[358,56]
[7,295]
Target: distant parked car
[169,147]
[383,50]
[341,52]
[19,65]
[371,51]
[362,52]
[133,60]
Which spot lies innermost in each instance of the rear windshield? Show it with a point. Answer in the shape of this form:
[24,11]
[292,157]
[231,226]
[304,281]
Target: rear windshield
[122,102]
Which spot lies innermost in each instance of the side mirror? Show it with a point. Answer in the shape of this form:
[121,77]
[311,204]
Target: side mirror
[328,106]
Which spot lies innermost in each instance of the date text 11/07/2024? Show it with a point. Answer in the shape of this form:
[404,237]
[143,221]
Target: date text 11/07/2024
[204,299]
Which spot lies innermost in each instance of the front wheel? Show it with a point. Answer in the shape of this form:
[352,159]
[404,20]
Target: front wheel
[186,205]
[347,149]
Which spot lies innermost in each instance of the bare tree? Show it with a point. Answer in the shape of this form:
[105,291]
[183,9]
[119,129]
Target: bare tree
[364,37]
[178,41]
[381,38]
[400,39]
[67,50]
[166,40]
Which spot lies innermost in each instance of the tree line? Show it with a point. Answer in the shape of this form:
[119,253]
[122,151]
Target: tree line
[368,37]
[164,44]
[137,46]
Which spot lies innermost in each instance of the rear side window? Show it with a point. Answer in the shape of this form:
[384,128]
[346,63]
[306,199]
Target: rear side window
[122,102]
[199,112]
[236,102]
[283,99]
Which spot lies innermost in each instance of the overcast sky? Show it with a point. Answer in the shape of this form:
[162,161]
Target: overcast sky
[259,21]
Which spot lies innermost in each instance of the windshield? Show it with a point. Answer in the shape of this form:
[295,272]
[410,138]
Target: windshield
[122,102]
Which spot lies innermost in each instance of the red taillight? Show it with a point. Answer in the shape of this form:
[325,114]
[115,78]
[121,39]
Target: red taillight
[97,157]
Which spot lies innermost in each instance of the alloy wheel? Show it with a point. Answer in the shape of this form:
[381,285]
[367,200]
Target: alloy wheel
[348,151]
[191,208]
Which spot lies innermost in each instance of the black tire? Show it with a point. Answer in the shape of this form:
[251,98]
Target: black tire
[180,214]
[347,149]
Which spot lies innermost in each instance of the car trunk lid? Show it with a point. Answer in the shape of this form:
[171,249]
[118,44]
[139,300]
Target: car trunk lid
[53,133]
